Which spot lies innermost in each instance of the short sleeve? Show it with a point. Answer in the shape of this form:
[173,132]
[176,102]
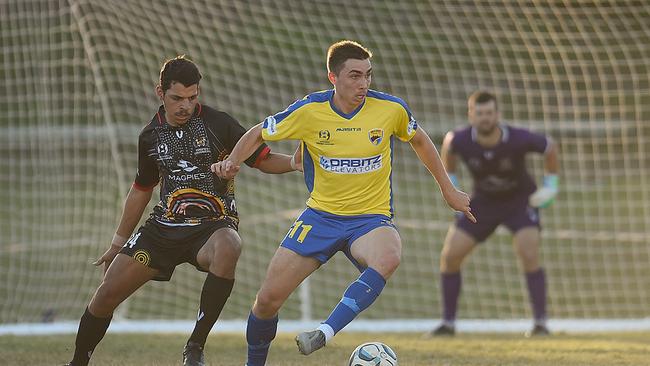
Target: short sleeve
[406,124]
[536,142]
[285,125]
[235,132]
[147,175]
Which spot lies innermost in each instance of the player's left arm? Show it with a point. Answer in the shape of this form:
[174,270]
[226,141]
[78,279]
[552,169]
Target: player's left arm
[428,155]
[277,127]
[246,146]
[275,163]
[545,195]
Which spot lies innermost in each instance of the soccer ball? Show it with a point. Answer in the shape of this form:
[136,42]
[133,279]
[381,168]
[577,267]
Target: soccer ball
[373,354]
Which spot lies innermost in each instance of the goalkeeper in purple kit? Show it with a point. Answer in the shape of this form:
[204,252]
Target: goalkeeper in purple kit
[504,194]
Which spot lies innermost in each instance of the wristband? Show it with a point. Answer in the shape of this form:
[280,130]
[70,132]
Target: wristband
[118,240]
[293,162]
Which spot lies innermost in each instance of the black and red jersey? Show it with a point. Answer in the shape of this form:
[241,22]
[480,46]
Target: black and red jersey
[180,158]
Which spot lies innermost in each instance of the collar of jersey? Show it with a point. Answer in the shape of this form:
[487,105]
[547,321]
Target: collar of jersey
[505,133]
[345,115]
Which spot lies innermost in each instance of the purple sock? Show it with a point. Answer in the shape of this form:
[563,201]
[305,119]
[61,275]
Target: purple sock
[537,291]
[451,283]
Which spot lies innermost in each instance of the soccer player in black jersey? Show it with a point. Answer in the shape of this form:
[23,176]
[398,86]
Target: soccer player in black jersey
[195,220]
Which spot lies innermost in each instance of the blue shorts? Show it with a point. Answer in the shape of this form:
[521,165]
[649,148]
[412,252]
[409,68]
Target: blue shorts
[513,212]
[320,235]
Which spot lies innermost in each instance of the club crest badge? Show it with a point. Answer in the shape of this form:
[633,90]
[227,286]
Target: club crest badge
[200,141]
[376,135]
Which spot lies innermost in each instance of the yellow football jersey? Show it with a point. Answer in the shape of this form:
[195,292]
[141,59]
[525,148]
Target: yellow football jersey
[346,157]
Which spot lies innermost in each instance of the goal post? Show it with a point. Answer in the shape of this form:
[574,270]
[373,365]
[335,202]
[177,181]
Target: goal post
[77,86]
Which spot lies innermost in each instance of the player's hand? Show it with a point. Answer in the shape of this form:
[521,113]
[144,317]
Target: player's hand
[459,201]
[225,169]
[107,257]
[542,198]
[545,195]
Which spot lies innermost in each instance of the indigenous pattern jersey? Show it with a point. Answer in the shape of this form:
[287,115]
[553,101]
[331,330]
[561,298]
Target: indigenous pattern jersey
[346,157]
[180,157]
[500,170]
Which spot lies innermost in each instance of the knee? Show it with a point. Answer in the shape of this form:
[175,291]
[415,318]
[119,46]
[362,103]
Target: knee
[450,261]
[529,260]
[105,300]
[267,304]
[229,249]
[225,254]
[387,264]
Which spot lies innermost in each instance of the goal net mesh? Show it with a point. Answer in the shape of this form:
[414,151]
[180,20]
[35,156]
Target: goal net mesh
[78,83]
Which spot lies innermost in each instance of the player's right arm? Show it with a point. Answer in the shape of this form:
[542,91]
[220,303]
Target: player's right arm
[428,154]
[134,206]
[136,201]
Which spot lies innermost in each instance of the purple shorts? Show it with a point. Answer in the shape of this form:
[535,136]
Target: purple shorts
[513,212]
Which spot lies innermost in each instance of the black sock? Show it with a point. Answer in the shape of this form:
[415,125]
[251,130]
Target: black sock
[91,331]
[216,291]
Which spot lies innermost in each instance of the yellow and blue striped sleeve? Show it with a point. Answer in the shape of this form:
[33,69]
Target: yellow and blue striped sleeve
[406,123]
[285,125]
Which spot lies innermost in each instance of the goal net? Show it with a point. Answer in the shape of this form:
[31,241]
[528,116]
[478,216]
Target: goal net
[78,83]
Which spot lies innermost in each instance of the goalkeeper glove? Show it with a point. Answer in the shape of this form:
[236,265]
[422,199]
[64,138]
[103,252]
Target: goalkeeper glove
[545,195]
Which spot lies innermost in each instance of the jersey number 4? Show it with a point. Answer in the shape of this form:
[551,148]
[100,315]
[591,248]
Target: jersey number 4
[303,233]
[133,240]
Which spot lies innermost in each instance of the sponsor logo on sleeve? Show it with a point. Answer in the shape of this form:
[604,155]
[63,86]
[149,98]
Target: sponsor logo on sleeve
[412,126]
[271,125]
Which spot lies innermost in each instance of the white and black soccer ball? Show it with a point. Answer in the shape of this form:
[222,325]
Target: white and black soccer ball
[373,354]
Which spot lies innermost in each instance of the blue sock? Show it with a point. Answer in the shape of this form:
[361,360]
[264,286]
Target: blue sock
[358,296]
[259,334]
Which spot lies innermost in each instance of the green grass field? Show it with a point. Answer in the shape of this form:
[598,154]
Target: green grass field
[464,350]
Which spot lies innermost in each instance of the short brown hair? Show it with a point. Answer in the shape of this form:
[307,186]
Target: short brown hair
[179,69]
[481,97]
[341,51]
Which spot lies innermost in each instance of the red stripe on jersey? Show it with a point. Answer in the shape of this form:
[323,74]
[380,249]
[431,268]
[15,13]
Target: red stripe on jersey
[263,154]
[143,188]
[160,122]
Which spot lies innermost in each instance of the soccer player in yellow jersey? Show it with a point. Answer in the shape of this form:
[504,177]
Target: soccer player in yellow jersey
[346,139]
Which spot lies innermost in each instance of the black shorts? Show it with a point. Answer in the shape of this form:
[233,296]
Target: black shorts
[164,247]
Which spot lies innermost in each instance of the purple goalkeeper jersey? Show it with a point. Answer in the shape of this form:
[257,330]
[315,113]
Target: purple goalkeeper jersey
[499,171]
